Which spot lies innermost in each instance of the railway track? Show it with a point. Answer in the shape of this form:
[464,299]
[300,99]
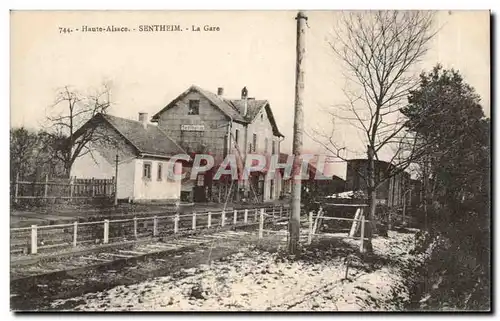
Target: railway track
[101,256]
[38,279]
[34,286]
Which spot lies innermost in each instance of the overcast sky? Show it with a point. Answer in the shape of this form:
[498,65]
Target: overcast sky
[255,49]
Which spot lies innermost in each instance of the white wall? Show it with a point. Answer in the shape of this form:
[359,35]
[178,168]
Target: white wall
[263,128]
[125,183]
[153,188]
[95,165]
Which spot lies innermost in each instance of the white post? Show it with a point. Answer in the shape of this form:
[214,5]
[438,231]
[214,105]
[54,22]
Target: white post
[235,217]
[209,219]
[223,220]
[16,191]
[194,221]
[71,187]
[361,246]
[261,223]
[309,238]
[389,223]
[404,207]
[106,232]
[34,239]
[46,187]
[355,223]
[176,223]
[245,217]
[281,211]
[155,226]
[135,227]
[75,233]
[256,215]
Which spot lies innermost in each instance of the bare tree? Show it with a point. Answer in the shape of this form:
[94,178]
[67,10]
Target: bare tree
[70,111]
[378,51]
[23,143]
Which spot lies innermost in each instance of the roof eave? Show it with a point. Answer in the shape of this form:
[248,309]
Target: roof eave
[142,154]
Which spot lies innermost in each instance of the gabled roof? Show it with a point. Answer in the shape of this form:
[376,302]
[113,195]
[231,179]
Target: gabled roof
[224,105]
[253,107]
[232,108]
[150,140]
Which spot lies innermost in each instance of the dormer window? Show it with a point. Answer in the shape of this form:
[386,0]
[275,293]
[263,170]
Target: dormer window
[194,107]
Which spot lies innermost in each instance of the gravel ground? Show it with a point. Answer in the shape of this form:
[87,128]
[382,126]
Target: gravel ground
[257,280]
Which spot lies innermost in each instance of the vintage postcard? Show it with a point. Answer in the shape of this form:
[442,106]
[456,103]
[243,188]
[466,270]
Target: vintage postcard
[250,161]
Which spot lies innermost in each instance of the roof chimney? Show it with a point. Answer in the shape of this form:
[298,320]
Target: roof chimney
[220,91]
[143,118]
[244,96]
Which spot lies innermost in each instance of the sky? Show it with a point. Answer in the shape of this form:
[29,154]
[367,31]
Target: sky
[255,49]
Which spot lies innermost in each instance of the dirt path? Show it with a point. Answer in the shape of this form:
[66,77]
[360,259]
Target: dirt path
[257,280]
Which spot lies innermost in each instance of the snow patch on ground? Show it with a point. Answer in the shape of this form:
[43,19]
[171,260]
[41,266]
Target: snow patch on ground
[253,280]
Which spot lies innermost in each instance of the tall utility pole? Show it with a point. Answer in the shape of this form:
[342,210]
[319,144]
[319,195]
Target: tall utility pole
[298,124]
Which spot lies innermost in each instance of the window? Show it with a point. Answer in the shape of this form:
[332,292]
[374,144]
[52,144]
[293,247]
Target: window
[236,136]
[273,148]
[160,165]
[200,180]
[254,144]
[146,172]
[194,107]
[262,117]
[266,142]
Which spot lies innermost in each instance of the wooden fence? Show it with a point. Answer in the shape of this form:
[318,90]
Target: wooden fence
[29,240]
[70,189]
[311,225]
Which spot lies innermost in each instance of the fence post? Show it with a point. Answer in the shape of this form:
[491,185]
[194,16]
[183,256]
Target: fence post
[362,244]
[281,211]
[355,223]
[309,238]
[155,226]
[245,217]
[75,233]
[194,221]
[135,227]
[256,215]
[209,219]
[261,223]
[223,219]
[46,186]
[389,223]
[34,239]
[16,189]
[93,187]
[106,232]
[71,187]
[176,223]
[235,217]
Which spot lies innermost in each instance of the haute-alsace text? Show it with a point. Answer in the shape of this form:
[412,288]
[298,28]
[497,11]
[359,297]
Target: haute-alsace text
[111,28]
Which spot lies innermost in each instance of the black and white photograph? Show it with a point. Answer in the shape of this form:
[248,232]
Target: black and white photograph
[250,161]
